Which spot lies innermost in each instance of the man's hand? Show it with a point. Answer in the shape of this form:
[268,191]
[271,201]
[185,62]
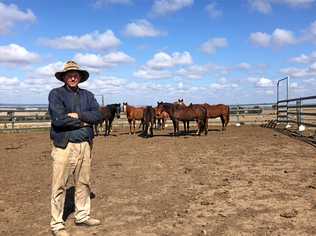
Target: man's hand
[73,115]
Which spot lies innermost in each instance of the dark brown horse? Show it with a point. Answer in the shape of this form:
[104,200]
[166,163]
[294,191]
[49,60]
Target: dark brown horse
[133,114]
[149,121]
[219,110]
[192,112]
[108,113]
[186,124]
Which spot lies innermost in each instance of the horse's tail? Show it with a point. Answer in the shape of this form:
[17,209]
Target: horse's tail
[227,115]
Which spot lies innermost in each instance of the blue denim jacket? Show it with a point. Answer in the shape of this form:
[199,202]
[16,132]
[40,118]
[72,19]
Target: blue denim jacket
[62,101]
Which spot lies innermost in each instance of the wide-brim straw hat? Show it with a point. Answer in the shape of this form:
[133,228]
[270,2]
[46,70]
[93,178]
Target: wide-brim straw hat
[72,66]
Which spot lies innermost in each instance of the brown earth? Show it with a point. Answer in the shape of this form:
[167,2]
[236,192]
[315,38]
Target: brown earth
[245,181]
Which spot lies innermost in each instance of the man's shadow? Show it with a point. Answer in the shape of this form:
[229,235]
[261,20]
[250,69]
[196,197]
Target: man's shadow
[69,206]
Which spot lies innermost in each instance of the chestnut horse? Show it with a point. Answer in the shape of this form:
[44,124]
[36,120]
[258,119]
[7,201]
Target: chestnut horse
[161,118]
[219,110]
[133,114]
[192,112]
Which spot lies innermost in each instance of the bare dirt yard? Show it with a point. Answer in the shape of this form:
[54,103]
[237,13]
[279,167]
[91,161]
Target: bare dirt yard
[245,181]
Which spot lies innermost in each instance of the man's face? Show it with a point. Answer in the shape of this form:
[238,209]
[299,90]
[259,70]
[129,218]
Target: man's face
[72,79]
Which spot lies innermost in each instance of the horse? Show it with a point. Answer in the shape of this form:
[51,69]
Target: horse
[186,124]
[108,113]
[219,110]
[133,114]
[161,118]
[193,112]
[149,121]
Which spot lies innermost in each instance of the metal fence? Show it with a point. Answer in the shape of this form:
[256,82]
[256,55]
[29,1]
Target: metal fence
[37,117]
[300,112]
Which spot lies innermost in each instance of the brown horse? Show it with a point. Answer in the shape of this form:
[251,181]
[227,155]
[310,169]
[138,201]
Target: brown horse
[161,118]
[192,112]
[133,114]
[219,110]
[186,124]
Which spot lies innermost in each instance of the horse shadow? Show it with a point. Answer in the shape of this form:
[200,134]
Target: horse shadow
[215,130]
[69,206]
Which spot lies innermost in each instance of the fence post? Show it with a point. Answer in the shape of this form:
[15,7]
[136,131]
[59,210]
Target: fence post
[237,114]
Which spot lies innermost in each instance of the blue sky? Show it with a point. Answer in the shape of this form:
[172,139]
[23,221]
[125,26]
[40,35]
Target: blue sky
[144,51]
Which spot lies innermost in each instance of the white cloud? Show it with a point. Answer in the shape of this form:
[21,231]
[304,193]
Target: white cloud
[14,55]
[278,38]
[260,39]
[282,37]
[10,14]
[141,28]
[310,33]
[149,73]
[193,72]
[164,60]
[7,83]
[295,72]
[212,10]
[263,6]
[49,70]
[244,66]
[103,61]
[305,59]
[264,82]
[296,3]
[105,85]
[164,7]
[94,41]
[213,44]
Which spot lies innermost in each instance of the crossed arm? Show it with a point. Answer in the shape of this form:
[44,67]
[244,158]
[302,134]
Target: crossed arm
[67,121]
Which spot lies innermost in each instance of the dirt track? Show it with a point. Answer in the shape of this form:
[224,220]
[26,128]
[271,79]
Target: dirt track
[245,181]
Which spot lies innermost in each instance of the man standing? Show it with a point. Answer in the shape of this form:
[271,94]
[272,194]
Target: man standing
[73,111]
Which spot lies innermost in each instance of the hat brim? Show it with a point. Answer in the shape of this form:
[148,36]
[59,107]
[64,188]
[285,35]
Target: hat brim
[84,75]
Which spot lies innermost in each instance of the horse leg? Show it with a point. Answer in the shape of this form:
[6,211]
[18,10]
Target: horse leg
[206,126]
[134,123]
[188,129]
[151,129]
[130,127]
[223,122]
[110,125]
[106,128]
[174,127]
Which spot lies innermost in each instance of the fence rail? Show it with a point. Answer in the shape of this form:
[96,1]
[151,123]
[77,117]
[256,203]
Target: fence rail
[33,118]
[300,112]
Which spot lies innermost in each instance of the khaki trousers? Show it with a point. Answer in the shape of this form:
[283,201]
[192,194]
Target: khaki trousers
[74,160]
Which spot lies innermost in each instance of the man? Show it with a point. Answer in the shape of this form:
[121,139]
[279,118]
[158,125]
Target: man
[73,112]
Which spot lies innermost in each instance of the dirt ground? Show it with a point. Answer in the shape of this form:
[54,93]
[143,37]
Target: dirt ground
[245,181]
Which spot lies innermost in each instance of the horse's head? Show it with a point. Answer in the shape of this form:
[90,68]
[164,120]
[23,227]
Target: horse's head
[124,106]
[180,103]
[118,110]
[160,108]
